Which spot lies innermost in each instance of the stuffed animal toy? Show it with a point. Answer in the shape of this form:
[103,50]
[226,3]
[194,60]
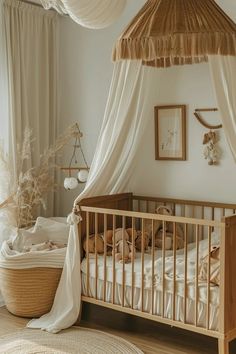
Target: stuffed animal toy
[164,210]
[214,266]
[138,242]
[123,247]
[91,244]
[129,231]
[45,246]
[138,239]
[123,244]
[211,151]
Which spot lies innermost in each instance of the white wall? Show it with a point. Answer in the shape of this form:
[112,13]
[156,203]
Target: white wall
[194,178]
[86,69]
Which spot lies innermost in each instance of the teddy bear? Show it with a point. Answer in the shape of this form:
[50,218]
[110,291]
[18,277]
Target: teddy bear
[91,244]
[211,151]
[123,247]
[169,234]
[142,237]
[214,260]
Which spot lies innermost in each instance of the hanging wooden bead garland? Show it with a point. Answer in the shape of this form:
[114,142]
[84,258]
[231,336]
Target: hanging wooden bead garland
[71,182]
[211,151]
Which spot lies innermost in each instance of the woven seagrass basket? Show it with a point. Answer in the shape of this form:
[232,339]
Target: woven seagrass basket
[29,292]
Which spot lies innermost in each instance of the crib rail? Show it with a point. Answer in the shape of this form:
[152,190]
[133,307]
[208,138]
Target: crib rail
[151,216]
[155,288]
[185,208]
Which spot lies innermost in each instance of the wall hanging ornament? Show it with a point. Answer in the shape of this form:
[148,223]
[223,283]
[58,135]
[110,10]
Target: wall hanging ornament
[71,182]
[211,139]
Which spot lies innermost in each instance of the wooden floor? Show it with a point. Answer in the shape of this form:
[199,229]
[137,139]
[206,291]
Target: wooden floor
[149,336]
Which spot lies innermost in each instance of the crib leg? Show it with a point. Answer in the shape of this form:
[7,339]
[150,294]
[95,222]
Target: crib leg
[223,346]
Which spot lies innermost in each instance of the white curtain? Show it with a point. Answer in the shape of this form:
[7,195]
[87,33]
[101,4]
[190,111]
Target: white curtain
[31,36]
[5,218]
[4,84]
[129,109]
[93,14]
[223,73]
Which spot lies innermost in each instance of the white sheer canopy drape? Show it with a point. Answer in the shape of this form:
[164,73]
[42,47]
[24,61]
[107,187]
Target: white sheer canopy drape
[223,73]
[93,14]
[132,95]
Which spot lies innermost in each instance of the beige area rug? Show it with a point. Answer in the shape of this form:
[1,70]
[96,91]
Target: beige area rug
[76,340]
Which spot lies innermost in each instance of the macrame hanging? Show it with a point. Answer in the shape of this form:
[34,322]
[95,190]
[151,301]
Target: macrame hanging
[212,151]
[177,32]
[71,182]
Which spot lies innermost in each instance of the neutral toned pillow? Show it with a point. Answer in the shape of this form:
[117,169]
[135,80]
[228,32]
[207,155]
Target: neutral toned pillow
[28,238]
[55,231]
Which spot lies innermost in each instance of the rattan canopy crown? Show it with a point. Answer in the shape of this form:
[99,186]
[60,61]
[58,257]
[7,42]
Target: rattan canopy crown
[174,32]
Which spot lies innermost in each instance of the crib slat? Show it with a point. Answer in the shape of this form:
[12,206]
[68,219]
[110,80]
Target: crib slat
[182,212]
[174,208]
[212,213]
[163,266]
[96,256]
[208,278]
[156,206]
[113,260]
[185,269]
[105,259]
[123,261]
[202,227]
[153,254]
[87,251]
[138,205]
[133,259]
[174,271]
[196,274]
[142,262]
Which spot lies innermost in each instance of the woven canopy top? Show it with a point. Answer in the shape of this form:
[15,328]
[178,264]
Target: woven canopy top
[175,32]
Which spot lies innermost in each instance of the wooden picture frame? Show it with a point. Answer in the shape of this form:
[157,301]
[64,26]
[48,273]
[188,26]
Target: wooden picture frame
[170,132]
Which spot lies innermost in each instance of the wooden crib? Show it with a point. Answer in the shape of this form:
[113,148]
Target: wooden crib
[199,221]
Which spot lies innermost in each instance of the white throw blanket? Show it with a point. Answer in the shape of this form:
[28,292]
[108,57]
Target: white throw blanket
[16,260]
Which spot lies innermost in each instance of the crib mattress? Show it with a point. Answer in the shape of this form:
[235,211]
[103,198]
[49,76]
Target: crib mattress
[157,282]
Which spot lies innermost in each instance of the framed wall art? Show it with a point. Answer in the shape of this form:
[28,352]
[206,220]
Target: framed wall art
[170,132]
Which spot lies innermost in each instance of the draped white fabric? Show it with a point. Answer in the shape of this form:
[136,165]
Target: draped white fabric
[129,109]
[4,115]
[93,14]
[223,72]
[31,36]
[4,84]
